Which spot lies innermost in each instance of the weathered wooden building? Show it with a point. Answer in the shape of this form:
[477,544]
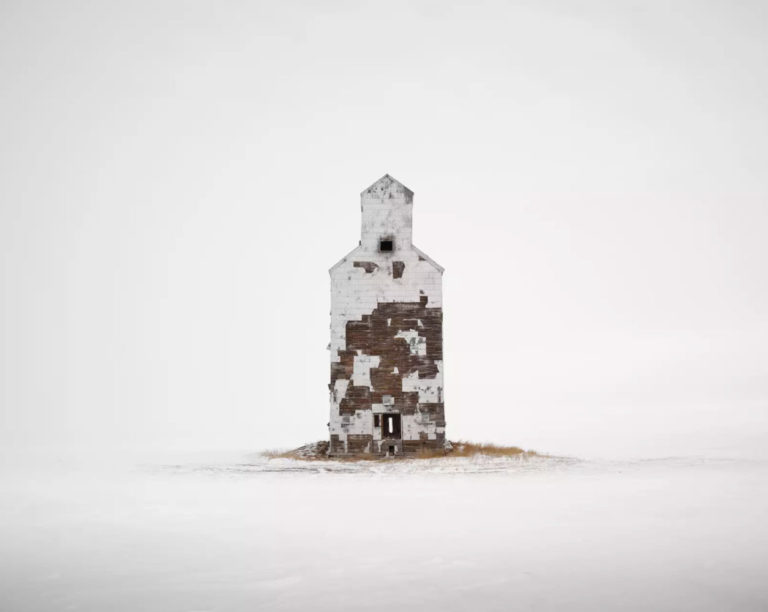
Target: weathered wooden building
[386,389]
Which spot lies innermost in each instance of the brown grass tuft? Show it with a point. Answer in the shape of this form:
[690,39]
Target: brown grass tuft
[318,452]
[463,448]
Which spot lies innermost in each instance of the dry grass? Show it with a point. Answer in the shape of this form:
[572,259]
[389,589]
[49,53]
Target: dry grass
[462,448]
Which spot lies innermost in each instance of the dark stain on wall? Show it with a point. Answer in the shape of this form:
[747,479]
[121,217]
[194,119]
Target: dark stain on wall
[368,266]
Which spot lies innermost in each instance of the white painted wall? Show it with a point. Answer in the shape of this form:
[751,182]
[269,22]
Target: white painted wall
[386,209]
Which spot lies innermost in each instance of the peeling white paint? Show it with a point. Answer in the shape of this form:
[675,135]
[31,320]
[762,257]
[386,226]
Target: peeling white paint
[340,389]
[416,343]
[386,214]
[361,375]
[430,389]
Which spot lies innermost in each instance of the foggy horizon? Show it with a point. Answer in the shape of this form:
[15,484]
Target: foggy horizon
[179,177]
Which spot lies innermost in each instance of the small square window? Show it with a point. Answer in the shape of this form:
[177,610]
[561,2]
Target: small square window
[386,245]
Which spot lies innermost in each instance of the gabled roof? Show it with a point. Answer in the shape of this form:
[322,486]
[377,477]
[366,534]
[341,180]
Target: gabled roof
[419,252]
[343,259]
[385,183]
[423,255]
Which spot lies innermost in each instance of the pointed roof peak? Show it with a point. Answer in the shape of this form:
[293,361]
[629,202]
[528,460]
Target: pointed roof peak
[388,186]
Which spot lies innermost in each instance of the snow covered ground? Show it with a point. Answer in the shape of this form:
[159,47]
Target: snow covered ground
[243,533]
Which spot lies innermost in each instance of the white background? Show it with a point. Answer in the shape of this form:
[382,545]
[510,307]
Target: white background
[177,177]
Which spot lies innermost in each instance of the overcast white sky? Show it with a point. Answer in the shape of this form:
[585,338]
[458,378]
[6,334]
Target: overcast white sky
[177,177]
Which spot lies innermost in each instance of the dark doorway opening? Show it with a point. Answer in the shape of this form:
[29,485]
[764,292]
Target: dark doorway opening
[391,426]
